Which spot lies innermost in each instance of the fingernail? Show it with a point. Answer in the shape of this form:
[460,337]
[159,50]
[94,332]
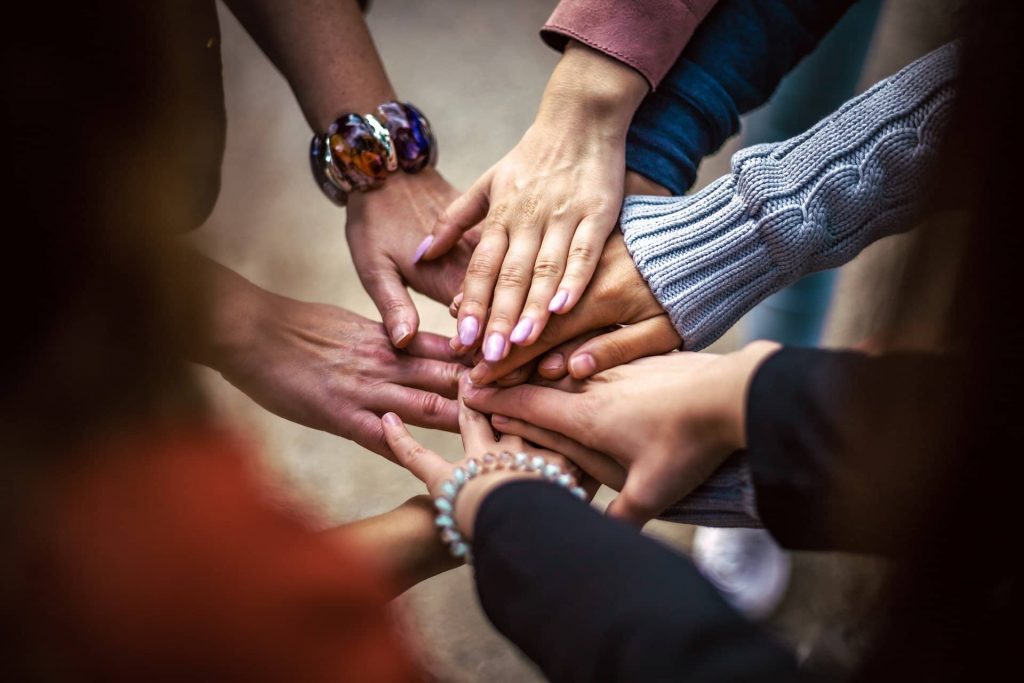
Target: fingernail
[522,330]
[400,333]
[391,419]
[555,361]
[422,249]
[559,300]
[499,419]
[468,328]
[582,365]
[494,347]
[457,301]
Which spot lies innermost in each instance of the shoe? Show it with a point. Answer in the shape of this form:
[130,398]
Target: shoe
[745,565]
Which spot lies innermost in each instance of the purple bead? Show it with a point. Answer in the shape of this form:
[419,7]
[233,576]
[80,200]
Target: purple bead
[410,132]
[334,191]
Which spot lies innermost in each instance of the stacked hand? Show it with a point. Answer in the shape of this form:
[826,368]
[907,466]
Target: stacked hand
[655,428]
[325,367]
[548,206]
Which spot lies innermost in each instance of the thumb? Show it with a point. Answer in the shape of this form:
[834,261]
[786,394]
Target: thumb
[461,215]
[384,285]
[425,464]
[648,338]
[637,502]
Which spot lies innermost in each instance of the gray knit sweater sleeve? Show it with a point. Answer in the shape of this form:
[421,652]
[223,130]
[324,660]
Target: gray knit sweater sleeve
[791,208]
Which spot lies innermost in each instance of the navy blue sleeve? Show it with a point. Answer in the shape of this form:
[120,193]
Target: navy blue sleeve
[733,64]
[589,598]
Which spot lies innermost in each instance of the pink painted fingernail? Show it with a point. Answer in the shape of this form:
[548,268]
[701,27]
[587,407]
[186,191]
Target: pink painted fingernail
[522,331]
[422,249]
[582,365]
[468,329]
[559,300]
[494,347]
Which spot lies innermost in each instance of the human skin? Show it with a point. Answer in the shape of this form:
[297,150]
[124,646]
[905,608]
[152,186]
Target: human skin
[668,422]
[323,366]
[547,207]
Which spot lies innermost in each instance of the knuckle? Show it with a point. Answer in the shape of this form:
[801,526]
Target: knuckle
[513,276]
[547,269]
[481,267]
[433,405]
[581,252]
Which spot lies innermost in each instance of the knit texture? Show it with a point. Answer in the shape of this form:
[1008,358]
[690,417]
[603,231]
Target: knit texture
[787,209]
[726,499]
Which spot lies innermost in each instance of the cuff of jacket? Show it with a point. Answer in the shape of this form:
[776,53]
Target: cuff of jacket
[726,500]
[705,258]
[648,36]
[678,125]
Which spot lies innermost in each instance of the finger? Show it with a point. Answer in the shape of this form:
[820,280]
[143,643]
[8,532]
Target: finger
[555,364]
[383,283]
[421,408]
[459,217]
[481,274]
[432,346]
[546,407]
[584,253]
[453,307]
[598,465]
[425,465]
[509,294]
[517,376]
[559,330]
[477,435]
[647,338]
[548,269]
[637,502]
[365,428]
[433,376]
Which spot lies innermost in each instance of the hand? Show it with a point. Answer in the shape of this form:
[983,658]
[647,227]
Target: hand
[477,439]
[325,367]
[384,227]
[618,295]
[668,421]
[549,205]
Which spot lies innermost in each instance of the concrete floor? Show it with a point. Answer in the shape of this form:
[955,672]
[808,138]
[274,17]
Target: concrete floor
[478,69]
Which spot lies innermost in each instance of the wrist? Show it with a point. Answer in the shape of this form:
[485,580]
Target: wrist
[637,183]
[592,90]
[237,312]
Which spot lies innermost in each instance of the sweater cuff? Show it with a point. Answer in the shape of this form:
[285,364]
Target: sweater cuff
[648,36]
[678,125]
[703,257]
[727,499]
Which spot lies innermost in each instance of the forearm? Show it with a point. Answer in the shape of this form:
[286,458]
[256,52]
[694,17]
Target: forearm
[563,581]
[835,441]
[733,64]
[402,543]
[806,204]
[325,51]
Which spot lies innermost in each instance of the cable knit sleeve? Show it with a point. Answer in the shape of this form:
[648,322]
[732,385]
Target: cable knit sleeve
[791,208]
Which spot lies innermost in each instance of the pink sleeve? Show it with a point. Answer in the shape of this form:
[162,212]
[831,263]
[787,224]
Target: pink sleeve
[648,35]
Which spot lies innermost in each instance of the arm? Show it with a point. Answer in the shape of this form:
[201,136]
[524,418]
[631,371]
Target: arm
[823,428]
[564,582]
[402,544]
[324,50]
[787,209]
[732,65]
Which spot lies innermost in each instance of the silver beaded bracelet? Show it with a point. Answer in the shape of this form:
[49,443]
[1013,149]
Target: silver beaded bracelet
[522,462]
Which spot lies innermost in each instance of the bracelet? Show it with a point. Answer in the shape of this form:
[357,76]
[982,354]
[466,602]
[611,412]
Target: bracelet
[359,152]
[445,504]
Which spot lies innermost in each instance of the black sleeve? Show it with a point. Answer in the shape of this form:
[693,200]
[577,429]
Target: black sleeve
[834,443]
[589,598]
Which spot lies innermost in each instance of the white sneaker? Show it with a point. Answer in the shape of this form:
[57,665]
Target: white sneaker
[746,565]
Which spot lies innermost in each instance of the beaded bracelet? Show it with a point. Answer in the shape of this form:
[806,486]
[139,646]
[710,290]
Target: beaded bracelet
[358,152]
[445,503]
